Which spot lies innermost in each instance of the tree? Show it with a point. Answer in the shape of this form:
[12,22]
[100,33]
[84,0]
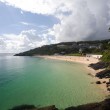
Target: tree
[106,56]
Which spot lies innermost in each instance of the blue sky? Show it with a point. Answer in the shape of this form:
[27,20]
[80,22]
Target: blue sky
[27,24]
[14,20]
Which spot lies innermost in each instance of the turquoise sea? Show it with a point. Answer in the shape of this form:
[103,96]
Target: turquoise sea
[42,82]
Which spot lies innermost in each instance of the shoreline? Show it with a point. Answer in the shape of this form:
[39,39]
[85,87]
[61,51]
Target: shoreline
[77,59]
[86,61]
[102,86]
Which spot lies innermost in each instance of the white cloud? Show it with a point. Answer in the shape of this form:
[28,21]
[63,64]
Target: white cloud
[79,19]
[88,21]
[25,23]
[24,41]
[22,12]
[41,27]
[39,6]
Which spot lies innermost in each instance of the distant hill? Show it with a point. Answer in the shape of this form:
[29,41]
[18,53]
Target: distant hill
[97,46]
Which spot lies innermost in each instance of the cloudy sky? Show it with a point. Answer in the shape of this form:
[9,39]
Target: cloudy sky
[26,24]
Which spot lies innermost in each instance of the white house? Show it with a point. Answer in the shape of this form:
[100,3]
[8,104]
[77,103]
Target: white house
[93,56]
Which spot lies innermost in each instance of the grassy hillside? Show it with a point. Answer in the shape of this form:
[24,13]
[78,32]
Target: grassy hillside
[82,47]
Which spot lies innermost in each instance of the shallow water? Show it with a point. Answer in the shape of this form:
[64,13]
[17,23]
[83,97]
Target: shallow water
[42,82]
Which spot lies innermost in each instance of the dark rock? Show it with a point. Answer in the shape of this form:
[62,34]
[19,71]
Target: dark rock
[32,107]
[108,89]
[103,74]
[108,83]
[24,107]
[99,65]
[104,81]
[90,75]
[104,105]
[98,82]
[48,108]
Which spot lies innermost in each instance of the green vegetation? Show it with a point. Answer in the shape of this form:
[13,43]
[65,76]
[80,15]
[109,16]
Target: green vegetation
[74,54]
[106,56]
[70,48]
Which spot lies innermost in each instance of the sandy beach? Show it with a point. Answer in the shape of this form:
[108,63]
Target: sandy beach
[86,61]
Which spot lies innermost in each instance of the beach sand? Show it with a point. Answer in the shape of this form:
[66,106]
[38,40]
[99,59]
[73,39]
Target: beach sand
[102,86]
[86,61]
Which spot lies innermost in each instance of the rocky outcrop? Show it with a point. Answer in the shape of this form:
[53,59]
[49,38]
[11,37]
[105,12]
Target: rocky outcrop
[103,74]
[32,107]
[48,108]
[99,65]
[104,105]
[98,82]
[24,107]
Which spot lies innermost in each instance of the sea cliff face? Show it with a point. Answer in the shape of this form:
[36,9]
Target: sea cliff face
[104,105]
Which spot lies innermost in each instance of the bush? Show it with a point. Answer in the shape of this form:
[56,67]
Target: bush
[106,56]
